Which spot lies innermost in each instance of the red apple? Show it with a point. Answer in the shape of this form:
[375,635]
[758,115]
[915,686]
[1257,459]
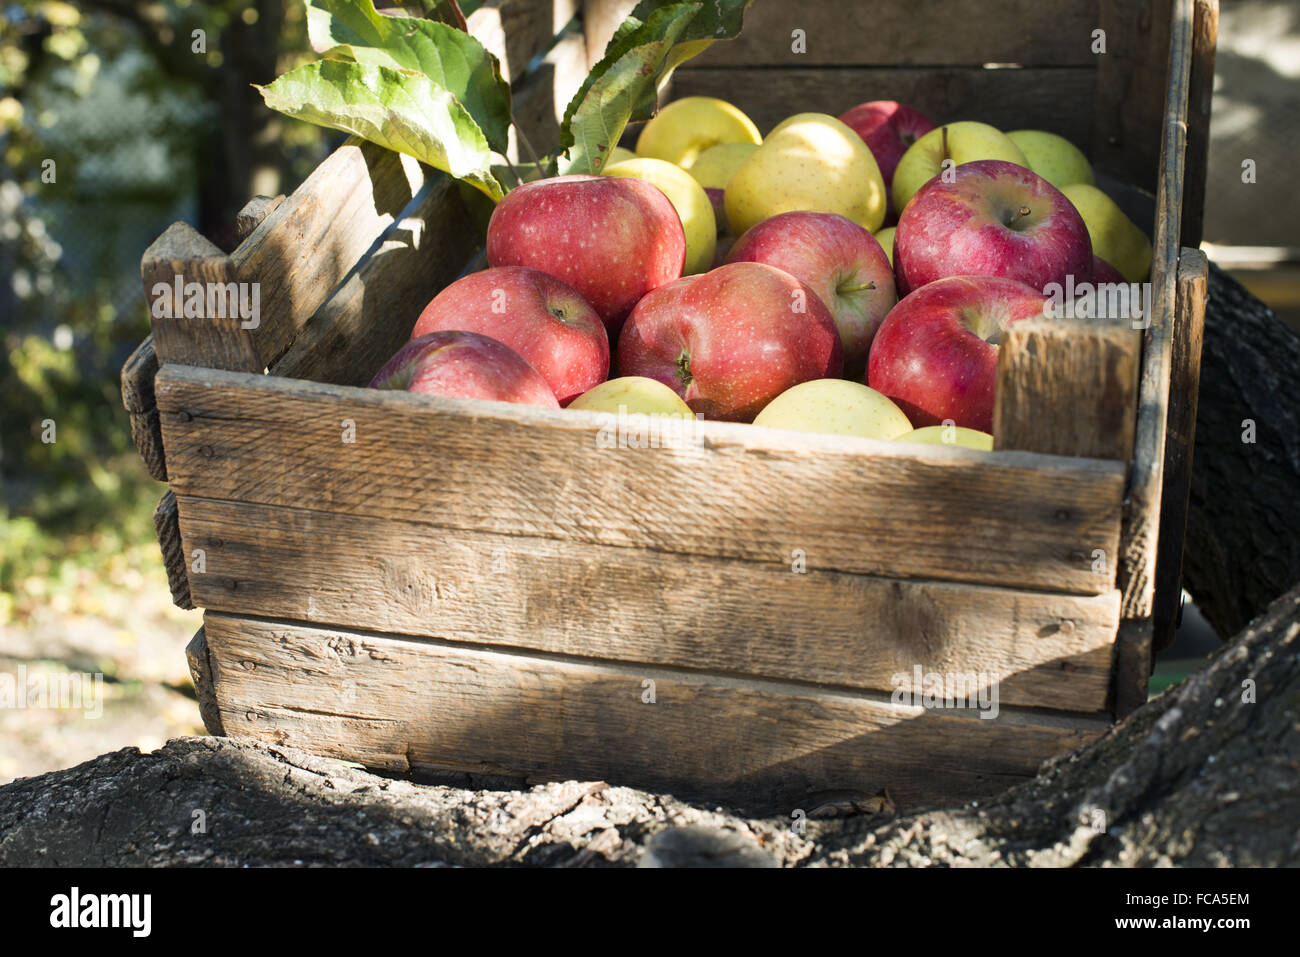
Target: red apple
[888,129]
[612,238]
[994,219]
[841,261]
[538,316]
[1103,272]
[464,365]
[731,340]
[936,353]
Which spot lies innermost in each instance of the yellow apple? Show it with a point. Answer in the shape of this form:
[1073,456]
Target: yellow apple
[633,394]
[684,128]
[1053,157]
[714,167]
[963,142]
[1114,236]
[813,162]
[886,239]
[837,406]
[950,435]
[618,154]
[688,198]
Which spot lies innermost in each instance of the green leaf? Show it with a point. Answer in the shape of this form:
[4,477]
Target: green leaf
[354,30]
[400,110]
[654,40]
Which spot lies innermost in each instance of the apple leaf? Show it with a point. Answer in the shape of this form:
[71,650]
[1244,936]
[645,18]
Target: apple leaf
[400,110]
[653,41]
[448,57]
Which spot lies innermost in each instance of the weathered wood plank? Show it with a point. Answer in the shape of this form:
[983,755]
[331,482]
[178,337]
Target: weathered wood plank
[370,315]
[515,31]
[137,398]
[1180,437]
[853,505]
[179,259]
[405,705]
[916,32]
[1007,98]
[254,211]
[1200,94]
[196,653]
[696,613]
[538,104]
[1068,387]
[167,528]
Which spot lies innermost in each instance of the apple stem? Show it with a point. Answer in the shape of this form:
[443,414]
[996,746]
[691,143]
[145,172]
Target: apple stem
[944,137]
[1021,213]
[684,368]
[856,287]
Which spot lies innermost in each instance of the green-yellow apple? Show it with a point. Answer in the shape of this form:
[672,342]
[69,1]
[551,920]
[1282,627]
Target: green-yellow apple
[886,239]
[837,406]
[611,238]
[713,170]
[962,142]
[950,435]
[840,260]
[632,394]
[688,198]
[1053,157]
[731,340]
[543,319]
[685,128]
[811,162]
[1115,238]
[618,154]
[465,365]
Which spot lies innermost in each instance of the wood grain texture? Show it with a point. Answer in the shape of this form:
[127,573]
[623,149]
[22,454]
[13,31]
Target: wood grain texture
[1200,95]
[539,101]
[138,399]
[1180,438]
[167,528]
[515,31]
[600,18]
[304,247]
[254,211]
[639,606]
[371,314]
[915,32]
[403,705]
[201,673]
[1068,387]
[1140,537]
[853,505]
[1006,98]
[221,342]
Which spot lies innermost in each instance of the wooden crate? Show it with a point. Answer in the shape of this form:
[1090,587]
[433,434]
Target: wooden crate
[423,585]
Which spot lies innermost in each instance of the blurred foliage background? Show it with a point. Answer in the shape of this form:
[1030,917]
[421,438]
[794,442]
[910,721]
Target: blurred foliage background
[117,118]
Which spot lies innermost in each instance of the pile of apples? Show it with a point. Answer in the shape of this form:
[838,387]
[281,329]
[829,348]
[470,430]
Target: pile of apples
[849,275]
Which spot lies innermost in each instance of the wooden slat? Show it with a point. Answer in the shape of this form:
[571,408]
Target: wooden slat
[370,316]
[1068,387]
[600,18]
[515,31]
[854,505]
[1200,94]
[539,103]
[196,653]
[137,398]
[915,32]
[1006,98]
[167,529]
[406,705]
[254,211]
[696,613]
[1180,437]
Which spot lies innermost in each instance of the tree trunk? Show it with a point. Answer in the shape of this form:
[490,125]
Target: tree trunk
[1243,523]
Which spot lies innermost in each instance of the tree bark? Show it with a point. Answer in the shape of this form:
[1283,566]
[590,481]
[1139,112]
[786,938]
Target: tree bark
[1243,523]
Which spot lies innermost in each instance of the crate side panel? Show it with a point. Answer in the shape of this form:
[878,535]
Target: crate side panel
[850,505]
[403,705]
[639,606]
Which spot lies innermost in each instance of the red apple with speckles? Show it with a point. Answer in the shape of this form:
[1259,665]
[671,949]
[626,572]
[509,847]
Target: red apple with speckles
[841,261]
[465,365]
[611,238]
[1103,272]
[994,219]
[888,129]
[936,353]
[731,340]
[543,319]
